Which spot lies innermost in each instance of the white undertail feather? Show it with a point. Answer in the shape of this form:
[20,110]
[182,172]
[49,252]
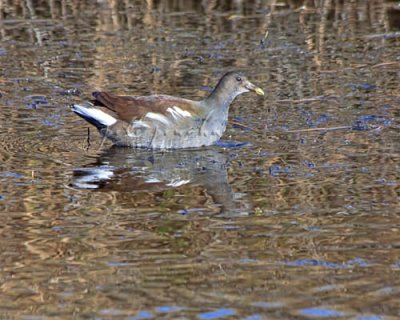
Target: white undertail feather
[97,114]
[177,112]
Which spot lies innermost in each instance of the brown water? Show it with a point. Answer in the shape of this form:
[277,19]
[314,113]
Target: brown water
[295,215]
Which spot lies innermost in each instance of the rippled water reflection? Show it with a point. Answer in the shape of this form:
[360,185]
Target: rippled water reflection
[295,215]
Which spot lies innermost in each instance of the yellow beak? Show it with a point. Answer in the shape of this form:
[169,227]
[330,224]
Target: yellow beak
[259,91]
[252,87]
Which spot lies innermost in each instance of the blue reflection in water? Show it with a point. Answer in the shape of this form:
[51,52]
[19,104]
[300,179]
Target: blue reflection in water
[311,121]
[321,312]
[111,312]
[237,122]
[372,317]
[276,170]
[10,174]
[362,86]
[230,144]
[36,101]
[254,317]
[190,210]
[311,262]
[220,313]
[142,315]
[248,260]
[166,309]
[312,228]
[364,122]
[396,264]
[356,262]
[308,163]
[116,264]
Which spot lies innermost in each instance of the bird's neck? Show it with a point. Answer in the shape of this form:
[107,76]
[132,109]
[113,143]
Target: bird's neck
[220,98]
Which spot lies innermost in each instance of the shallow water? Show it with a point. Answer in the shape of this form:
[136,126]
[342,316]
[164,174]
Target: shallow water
[294,215]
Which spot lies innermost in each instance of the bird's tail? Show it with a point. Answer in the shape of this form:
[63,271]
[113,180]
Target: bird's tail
[93,115]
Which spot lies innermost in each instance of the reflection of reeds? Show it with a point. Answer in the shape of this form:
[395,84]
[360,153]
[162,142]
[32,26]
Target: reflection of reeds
[153,18]
[154,46]
[57,242]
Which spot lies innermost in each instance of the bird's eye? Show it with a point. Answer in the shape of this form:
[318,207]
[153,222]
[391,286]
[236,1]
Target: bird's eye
[238,79]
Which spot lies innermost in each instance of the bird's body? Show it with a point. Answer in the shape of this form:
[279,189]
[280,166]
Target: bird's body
[162,121]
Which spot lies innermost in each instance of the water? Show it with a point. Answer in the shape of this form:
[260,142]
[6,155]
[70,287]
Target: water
[294,215]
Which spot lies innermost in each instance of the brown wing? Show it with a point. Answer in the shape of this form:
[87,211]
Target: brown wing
[128,108]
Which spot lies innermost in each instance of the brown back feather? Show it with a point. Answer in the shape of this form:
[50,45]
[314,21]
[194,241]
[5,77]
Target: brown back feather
[128,108]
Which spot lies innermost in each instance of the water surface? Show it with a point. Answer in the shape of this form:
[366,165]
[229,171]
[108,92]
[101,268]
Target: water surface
[294,215]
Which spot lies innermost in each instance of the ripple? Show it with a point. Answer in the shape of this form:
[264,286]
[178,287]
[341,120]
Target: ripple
[216,314]
[142,315]
[321,312]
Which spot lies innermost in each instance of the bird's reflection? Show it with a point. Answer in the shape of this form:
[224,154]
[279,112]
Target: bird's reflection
[126,170]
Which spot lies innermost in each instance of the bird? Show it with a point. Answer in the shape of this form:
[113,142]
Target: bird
[164,121]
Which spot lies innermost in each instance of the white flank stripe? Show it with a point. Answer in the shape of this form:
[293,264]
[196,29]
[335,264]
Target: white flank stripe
[158,117]
[183,113]
[177,112]
[97,114]
[177,183]
[174,114]
[139,124]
